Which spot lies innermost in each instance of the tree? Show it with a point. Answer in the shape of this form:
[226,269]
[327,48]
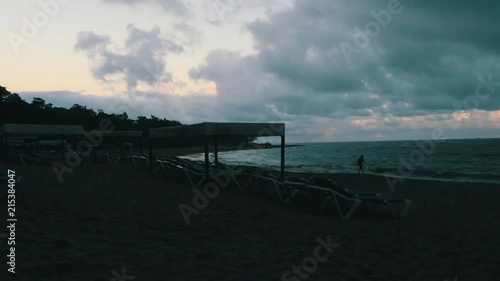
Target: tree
[38,103]
[13,109]
[3,94]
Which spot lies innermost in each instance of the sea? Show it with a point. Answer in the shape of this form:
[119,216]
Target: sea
[464,160]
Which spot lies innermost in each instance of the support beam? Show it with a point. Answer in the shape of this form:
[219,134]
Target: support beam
[151,155]
[121,148]
[207,163]
[2,155]
[216,152]
[283,158]
[63,147]
[80,138]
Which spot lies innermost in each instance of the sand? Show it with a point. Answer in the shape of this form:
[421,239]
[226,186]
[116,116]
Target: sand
[103,218]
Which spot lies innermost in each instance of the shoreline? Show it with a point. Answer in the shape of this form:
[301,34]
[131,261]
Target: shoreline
[186,152]
[399,180]
[376,177]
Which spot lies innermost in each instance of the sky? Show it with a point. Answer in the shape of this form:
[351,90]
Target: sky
[331,70]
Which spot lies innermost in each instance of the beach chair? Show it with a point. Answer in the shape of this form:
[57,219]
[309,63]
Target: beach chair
[285,191]
[108,157]
[141,160]
[235,175]
[316,197]
[158,164]
[295,186]
[366,197]
[195,171]
[128,153]
[31,159]
[330,183]
[194,174]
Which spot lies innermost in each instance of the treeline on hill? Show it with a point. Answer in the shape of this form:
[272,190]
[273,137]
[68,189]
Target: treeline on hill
[15,110]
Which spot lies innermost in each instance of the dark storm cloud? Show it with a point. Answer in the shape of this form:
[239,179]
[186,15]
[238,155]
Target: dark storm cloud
[429,55]
[427,59]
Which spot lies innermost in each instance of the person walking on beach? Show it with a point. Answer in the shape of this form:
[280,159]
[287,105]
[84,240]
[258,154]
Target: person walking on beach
[361,161]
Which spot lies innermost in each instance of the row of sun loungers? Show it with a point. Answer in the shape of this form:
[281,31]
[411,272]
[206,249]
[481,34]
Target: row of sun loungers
[29,158]
[319,192]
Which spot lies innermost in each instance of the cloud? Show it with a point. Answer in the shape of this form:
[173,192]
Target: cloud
[142,59]
[410,69]
[421,71]
[174,7]
[91,42]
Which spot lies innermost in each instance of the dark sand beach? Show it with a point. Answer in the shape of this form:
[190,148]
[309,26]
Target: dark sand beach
[105,218]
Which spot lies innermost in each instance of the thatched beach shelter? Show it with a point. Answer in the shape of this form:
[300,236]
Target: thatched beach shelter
[30,131]
[212,131]
[123,136]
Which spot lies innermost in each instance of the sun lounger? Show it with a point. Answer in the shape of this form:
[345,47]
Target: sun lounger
[141,160]
[326,182]
[336,197]
[194,174]
[31,159]
[285,191]
[113,159]
[108,157]
[366,197]
[195,170]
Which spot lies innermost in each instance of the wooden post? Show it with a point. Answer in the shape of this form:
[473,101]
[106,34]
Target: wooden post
[207,163]
[151,155]
[216,156]
[80,138]
[121,148]
[2,156]
[62,145]
[283,158]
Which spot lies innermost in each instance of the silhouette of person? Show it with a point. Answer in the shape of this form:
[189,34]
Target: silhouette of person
[361,161]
